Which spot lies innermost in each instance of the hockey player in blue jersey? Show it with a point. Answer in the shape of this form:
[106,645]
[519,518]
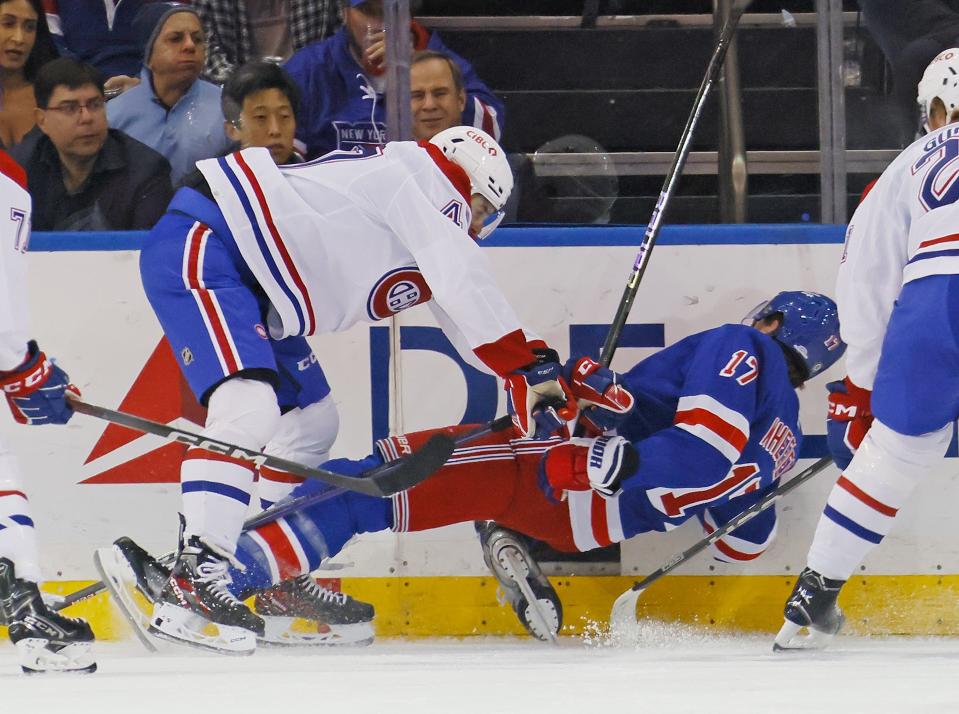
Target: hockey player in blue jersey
[702,429]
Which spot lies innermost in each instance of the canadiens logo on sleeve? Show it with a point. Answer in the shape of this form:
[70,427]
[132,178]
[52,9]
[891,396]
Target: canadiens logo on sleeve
[397,290]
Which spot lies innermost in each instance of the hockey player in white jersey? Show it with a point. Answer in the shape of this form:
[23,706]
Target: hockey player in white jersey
[890,420]
[35,390]
[258,253]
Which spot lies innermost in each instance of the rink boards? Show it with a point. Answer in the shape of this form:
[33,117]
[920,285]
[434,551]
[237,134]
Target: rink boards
[89,484]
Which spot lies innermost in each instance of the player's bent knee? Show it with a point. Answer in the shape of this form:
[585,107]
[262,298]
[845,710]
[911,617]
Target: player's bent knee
[923,451]
[244,412]
[309,430]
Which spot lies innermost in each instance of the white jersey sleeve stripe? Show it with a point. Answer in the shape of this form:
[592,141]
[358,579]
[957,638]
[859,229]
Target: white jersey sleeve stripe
[719,426]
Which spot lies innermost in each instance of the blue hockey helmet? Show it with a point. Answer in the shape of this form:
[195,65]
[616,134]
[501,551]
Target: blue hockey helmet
[810,327]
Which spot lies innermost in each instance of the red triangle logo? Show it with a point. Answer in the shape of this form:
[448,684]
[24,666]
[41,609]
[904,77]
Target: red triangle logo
[159,393]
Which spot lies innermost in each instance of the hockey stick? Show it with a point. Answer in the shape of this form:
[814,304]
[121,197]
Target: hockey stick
[624,608]
[669,186]
[291,505]
[382,481]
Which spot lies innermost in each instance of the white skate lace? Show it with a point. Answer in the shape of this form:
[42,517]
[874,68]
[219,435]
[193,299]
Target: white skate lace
[215,575]
[315,590]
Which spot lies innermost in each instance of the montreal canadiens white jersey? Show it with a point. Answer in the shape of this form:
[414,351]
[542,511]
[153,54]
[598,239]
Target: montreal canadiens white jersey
[15,209]
[357,236]
[906,228]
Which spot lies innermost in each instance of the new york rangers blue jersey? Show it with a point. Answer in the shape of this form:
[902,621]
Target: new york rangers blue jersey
[716,423]
[341,109]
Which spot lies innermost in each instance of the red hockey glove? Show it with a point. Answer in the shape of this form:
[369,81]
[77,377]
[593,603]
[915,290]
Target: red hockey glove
[36,391]
[600,464]
[848,420]
[537,397]
[603,402]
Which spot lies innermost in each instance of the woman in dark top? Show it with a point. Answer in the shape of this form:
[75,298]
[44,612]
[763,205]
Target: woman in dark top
[25,46]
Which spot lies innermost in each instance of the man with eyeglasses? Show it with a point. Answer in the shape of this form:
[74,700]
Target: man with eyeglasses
[83,175]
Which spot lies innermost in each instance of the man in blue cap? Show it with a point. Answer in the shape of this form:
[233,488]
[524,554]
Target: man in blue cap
[172,110]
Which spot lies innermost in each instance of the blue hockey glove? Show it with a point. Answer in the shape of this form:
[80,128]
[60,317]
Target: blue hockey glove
[37,390]
[537,397]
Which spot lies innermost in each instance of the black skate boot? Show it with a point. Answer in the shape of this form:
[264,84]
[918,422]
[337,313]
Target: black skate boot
[812,606]
[332,618]
[135,579]
[523,585]
[196,595]
[46,641]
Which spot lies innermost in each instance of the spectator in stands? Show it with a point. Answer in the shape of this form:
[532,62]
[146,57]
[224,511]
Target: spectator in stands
[260,103]
[100,32]
[172,110]
[238,31]
[437,94]
[342,80]
[910,34]
[25,46]
[82,175]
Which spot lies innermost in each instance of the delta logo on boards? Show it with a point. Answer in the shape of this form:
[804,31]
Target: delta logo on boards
[159,393]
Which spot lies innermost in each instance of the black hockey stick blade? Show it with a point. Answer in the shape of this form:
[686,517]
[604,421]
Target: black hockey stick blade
[623,613]
[382,481]
[405,473]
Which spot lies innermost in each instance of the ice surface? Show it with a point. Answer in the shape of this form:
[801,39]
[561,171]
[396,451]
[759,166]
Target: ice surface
[662,670]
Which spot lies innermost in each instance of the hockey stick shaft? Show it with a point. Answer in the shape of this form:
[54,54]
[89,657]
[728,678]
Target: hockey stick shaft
[623,612]
[669,187]
[735,523]
[382,481]
[286,507]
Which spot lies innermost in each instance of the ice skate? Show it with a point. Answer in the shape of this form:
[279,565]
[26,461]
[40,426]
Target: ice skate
[135,580]
[522,583]
[811,607]
[46,641]
[301,612]
[196,597]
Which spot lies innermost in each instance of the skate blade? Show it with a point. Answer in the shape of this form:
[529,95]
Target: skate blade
[286,632]
[791,638]
[543,625]
[36,657]
[120,580]
[183,627]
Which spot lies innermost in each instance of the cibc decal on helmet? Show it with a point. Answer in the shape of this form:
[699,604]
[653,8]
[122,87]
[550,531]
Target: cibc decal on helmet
[939,81]
[810,327]
[484,161]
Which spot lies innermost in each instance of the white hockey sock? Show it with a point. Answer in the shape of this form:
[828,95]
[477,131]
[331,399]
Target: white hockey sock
[216,488]
[304,436]
[18,540]
[863,504]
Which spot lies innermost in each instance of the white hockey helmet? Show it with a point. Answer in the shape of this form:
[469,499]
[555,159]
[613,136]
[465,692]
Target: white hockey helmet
[484,161]
[939,81]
